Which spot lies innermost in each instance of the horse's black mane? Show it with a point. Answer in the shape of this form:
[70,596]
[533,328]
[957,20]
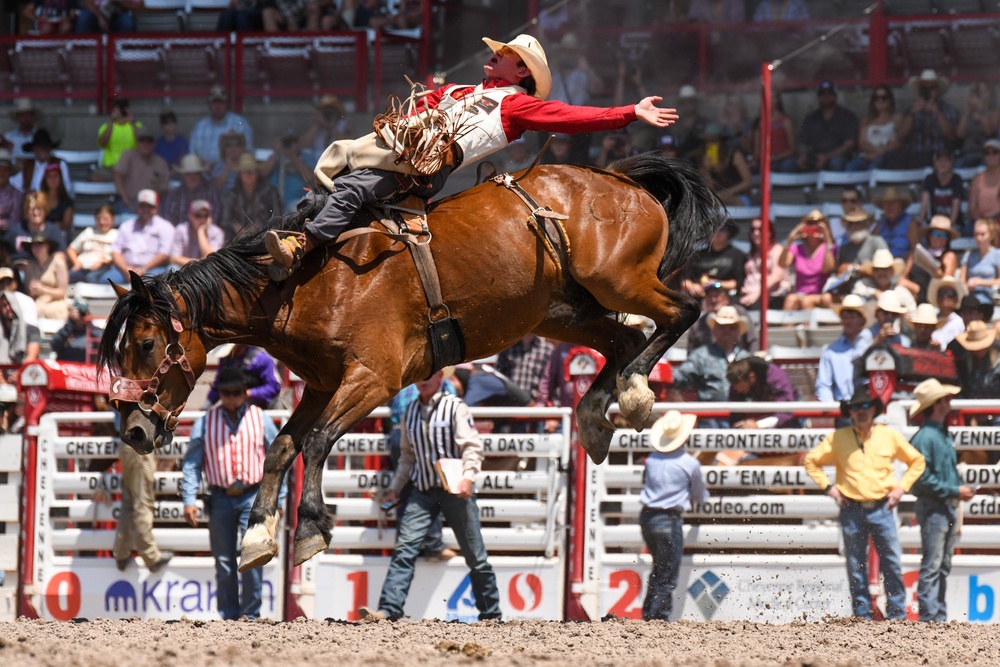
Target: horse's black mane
[240,264]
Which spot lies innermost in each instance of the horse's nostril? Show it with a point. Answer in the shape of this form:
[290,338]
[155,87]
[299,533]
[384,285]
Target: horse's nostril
[134,435]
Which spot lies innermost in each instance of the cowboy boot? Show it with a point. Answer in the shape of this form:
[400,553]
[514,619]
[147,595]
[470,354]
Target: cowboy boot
[287,250]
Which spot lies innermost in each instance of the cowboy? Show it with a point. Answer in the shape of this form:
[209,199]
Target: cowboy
[32,172]
[946,293]
[939,491]
[924,323]
[880,275]
[193,186]
[899,230]
[866,491]
[509,101]
[978,368]
[860,246]
[672,484]
[835,376]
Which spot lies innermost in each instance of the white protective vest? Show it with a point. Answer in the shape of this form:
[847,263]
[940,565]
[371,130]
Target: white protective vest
[481,131]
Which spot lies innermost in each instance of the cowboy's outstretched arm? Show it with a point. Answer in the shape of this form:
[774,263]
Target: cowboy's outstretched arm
[650,114]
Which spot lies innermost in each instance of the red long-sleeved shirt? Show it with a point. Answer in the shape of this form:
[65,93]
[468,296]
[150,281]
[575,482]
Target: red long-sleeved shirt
[522,112]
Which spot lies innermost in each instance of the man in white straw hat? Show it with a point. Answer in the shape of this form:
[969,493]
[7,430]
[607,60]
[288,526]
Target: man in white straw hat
[924,323]
[930,124]
[835,376]
[705,368]
[673,483]
[194,185]
[886,329]
[866,491]
[861,244]
[485,117]
[26,114]
[881,275]
[947,293]
[939,490]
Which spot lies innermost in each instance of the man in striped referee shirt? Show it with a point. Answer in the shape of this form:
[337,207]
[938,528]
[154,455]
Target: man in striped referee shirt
[436,426]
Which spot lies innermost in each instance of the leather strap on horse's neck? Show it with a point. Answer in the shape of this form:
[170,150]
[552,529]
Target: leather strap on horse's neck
[544,222]
[143,392]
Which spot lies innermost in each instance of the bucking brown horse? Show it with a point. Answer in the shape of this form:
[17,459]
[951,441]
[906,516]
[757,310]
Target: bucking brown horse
[353,322]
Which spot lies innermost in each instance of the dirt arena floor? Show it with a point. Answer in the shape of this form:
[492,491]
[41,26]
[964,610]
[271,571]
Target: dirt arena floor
[430,643]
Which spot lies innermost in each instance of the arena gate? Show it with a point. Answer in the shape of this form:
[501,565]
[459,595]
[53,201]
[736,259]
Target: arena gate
[521,495]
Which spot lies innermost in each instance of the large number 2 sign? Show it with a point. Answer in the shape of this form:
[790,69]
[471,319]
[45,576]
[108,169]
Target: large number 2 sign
[625,608]
[359,581]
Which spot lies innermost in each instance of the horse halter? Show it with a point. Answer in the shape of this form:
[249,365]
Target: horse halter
[143,392]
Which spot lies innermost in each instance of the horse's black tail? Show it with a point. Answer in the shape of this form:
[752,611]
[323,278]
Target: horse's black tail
[694,211]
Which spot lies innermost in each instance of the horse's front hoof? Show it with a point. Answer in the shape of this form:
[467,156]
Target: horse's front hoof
[308,547]
[257,554]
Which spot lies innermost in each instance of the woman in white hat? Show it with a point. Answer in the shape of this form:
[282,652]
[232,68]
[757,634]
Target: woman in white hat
[947,293]
[936,239]
[979,369]
[980,270]
[511,100]
[673,483]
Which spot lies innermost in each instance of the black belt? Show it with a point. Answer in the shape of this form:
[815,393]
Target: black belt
[235,491]
[663,510]
[867,504]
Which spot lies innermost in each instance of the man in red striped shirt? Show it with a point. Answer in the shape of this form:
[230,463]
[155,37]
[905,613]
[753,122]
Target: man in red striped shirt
[228,446]
[482,119]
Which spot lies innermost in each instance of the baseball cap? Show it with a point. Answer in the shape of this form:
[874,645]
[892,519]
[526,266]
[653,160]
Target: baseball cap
[148,197]
[826,87]
[217,92]
[992,143]
[200,205]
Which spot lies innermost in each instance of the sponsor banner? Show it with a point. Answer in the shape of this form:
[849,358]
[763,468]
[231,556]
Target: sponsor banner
[530,588]
[165,483]
[94,588]
[775,441]
[356,481]
[107,448]
[784,589]
[728,477]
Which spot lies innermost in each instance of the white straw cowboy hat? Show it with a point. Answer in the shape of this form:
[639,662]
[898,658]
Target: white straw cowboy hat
[937,284]
[882,259]
[852,302]
[940,223]
[929,392]
[190,164]
[727,315]
[890,303]
[671,430]
[23,105]
[533,55]
[929,77]
[857,217]
[978,336]
[926,314]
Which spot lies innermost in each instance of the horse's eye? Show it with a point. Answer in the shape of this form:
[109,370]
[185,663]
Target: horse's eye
[147,345]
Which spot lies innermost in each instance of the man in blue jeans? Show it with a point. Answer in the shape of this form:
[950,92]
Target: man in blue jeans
[229,443]
[436,426]
[866,492]
[673,482]
[939,492]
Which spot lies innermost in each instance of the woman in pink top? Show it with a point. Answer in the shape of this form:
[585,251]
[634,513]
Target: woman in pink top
[810,248]
[778,282]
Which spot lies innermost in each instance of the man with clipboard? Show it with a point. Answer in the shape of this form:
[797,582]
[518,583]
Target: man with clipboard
[441,452]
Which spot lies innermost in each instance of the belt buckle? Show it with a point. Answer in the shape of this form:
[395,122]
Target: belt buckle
[869,504]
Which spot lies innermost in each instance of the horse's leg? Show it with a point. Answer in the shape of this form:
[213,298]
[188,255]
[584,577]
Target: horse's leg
[617,343]
[362,390]
[259,545]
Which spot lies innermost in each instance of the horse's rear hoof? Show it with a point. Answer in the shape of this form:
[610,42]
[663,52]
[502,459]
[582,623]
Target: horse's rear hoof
[596,440]
[308,547]
[256,555]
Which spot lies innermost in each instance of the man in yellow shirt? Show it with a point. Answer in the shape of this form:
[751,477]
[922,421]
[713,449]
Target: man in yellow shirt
[866,492]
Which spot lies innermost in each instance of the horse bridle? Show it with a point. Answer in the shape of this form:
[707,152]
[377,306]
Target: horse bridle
[143,392]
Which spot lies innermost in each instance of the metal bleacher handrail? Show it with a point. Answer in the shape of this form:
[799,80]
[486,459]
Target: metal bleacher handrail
[897,176]
[794,179]
[842,178]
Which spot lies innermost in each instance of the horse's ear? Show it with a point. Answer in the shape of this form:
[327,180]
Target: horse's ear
[119,290]
[138,286]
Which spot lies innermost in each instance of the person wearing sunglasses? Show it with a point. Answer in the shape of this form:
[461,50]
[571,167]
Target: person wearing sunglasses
[228,445]
[866,491]
[879,135]
[139,168]
[984,190]
[936,239]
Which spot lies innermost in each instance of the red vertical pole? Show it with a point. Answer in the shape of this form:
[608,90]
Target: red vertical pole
[238,84]
[878,46]
[765,193]
[35,403]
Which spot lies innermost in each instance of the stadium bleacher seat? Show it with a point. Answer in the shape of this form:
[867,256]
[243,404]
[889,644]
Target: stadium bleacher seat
[959,6]
[87,196]
[190,66]
[203,15]
[903,7]
[882,177]
[81,66]
[743,213]
[79,163]
[837,179]
[38,66]
[975,48]
[101,297]
[160,16]
[924,48]
[779,318]
[968,173]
